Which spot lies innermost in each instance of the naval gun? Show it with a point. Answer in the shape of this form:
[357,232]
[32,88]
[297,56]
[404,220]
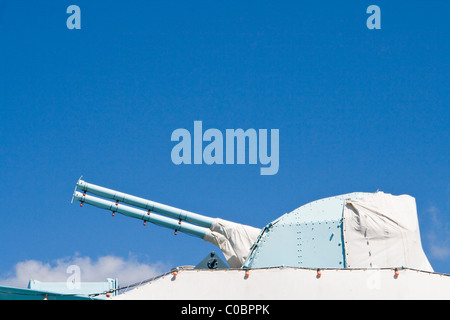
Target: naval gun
[233,239]
[354,230]
[351,246]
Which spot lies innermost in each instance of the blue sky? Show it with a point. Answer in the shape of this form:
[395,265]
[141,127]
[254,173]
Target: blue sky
[357,110]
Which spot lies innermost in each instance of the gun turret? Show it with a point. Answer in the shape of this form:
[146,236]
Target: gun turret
[235,240]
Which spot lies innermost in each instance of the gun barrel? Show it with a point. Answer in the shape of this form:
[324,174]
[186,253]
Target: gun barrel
[234,239]
[163,209]
[141,214]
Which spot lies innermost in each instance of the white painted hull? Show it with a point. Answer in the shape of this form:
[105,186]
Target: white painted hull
[293,283]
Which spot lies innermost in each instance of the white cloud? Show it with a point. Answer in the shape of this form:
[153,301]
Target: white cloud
[127,271]
[438,235]
[440,252]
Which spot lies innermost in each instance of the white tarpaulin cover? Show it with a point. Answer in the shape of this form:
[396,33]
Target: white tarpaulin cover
[382,230]
[234,239]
